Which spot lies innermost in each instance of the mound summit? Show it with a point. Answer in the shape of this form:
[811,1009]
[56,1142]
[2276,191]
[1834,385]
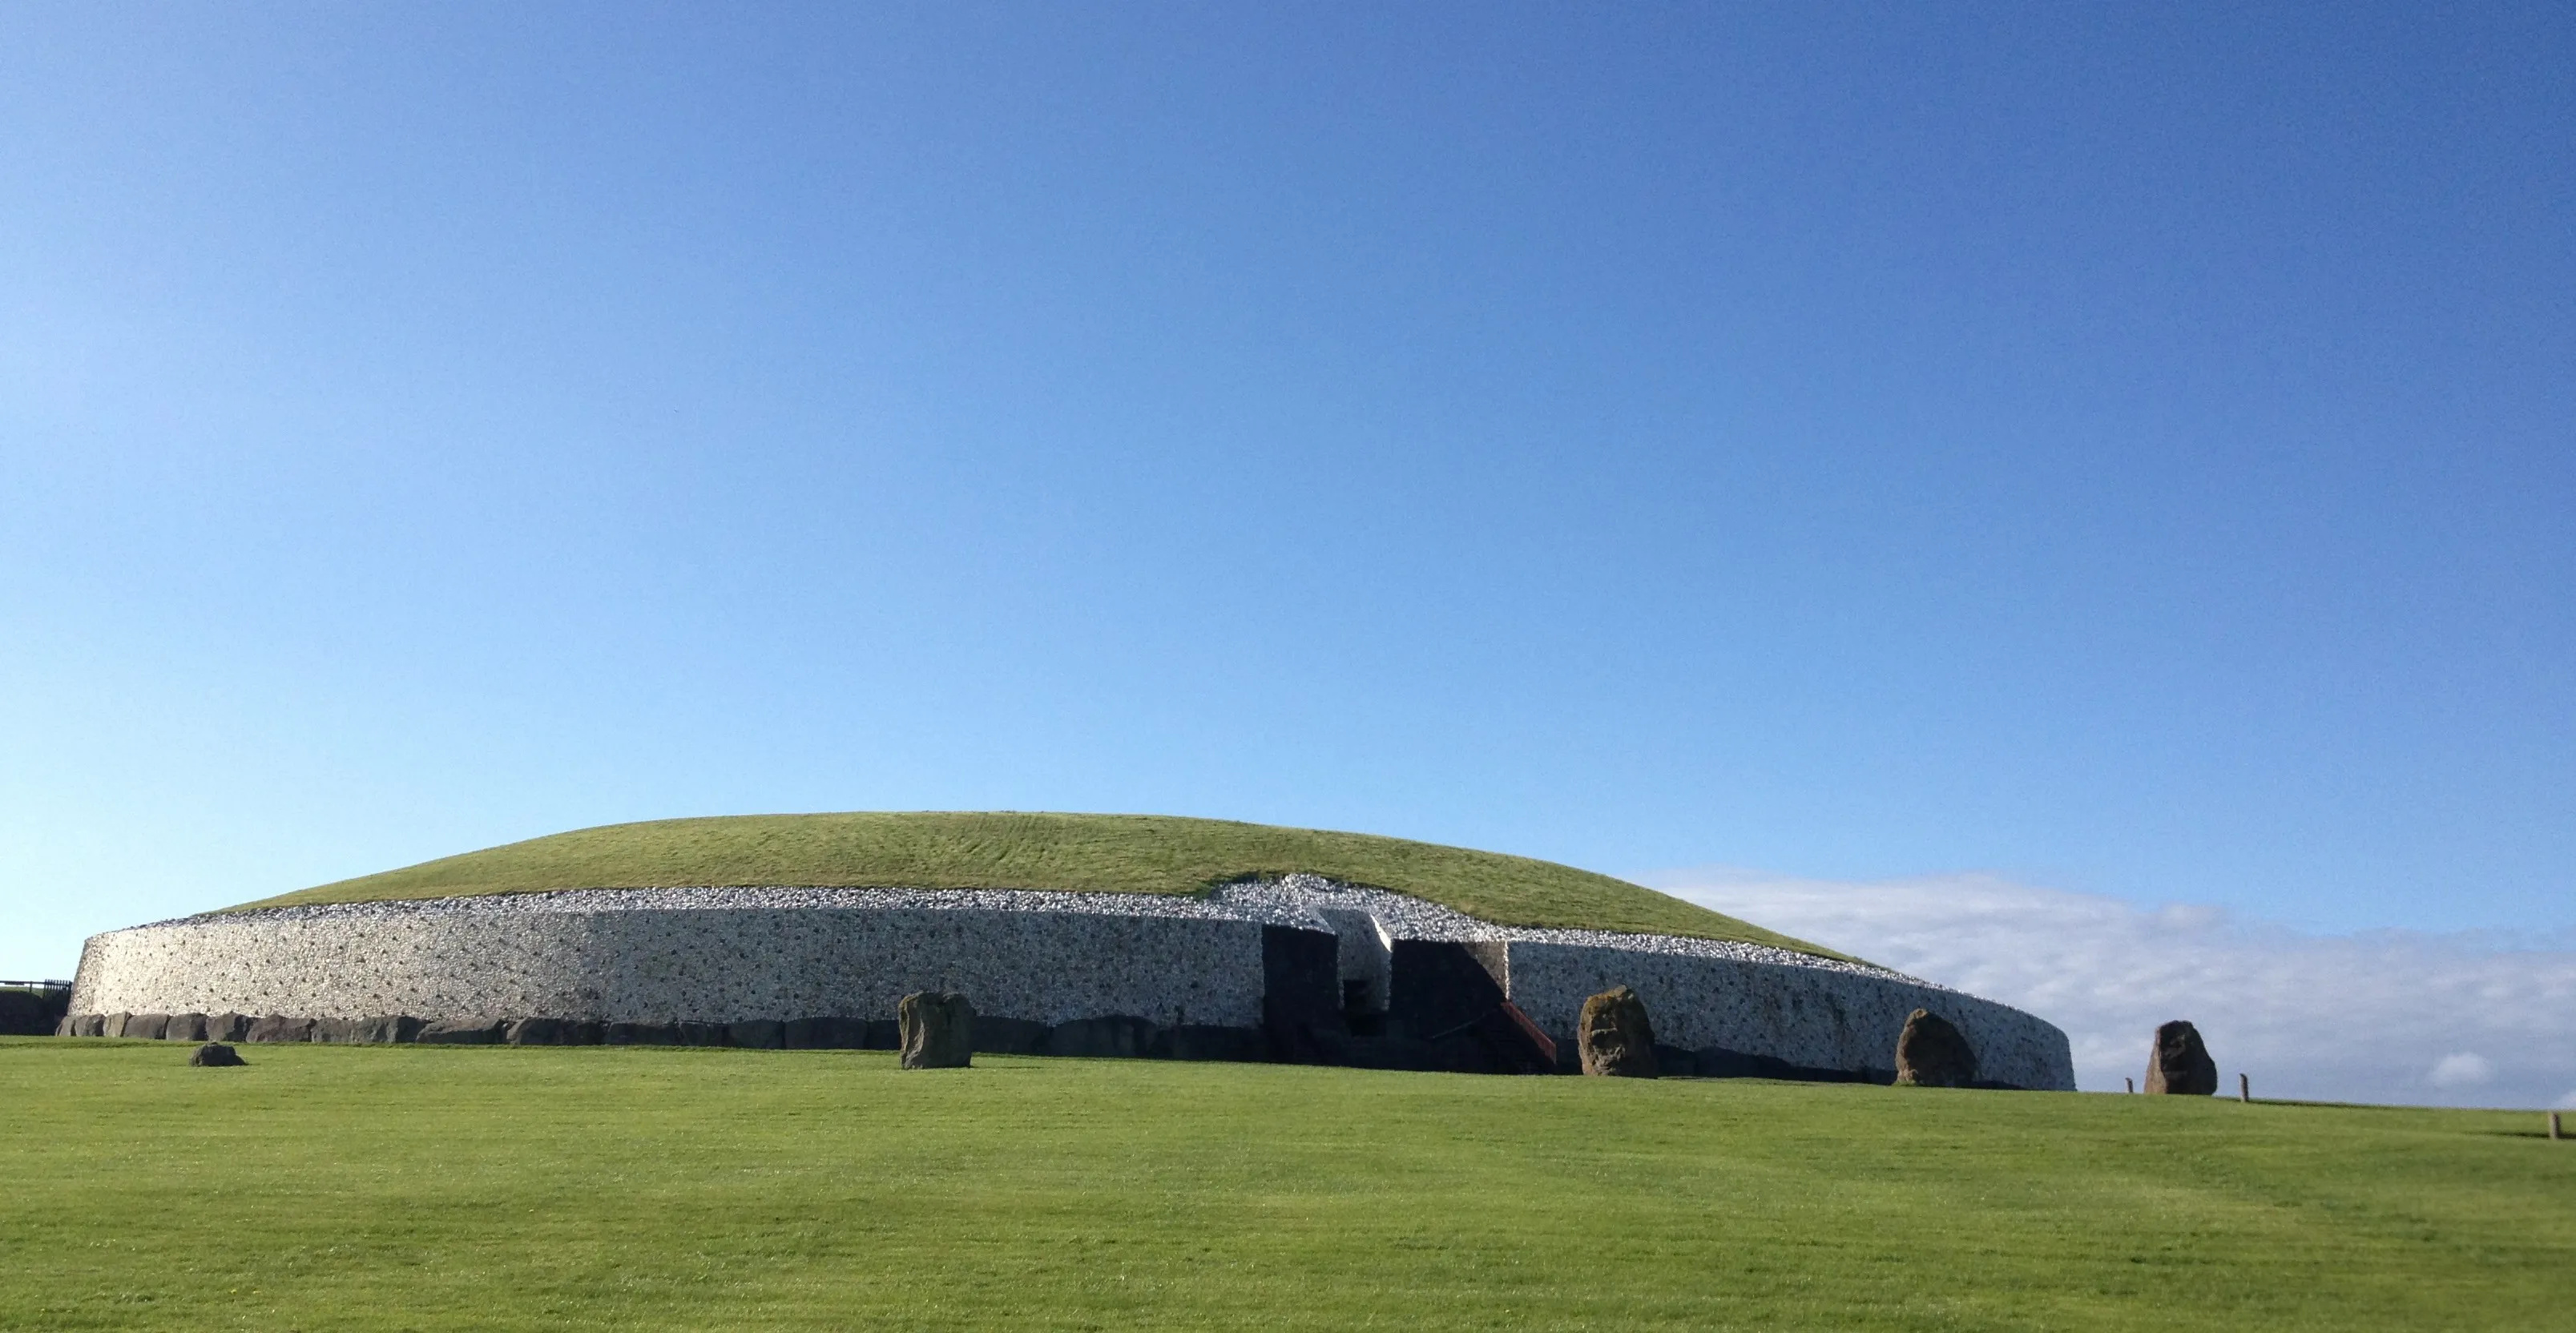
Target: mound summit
[1064,853]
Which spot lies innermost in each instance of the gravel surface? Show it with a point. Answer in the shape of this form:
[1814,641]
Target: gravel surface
[1291,900]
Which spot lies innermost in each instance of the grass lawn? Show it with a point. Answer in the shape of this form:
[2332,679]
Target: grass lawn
[1079,853]
[335,1188]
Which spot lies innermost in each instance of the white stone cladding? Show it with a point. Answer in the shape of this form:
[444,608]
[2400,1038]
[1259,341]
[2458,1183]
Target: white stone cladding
[1816,1017]
[704,965]
[726,955]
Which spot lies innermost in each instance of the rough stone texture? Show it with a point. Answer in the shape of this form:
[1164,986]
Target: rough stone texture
[280,1027]
[691,963]
[186,1027]
[702,966]
[1805,1017]
[460,1032]
[148,1027]
[216,1055]
[938,1030]
[2179,1064]
[227,1027]
[1616,1039]
[1931,1053]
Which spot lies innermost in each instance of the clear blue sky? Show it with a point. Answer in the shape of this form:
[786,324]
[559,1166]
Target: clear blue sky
[2124,448]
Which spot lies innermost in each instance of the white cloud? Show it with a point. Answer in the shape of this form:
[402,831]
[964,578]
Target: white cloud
[2463,1070]
[2382,1016]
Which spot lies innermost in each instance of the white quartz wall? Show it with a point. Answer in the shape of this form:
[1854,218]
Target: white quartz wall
[723,956]
[1817,1017]
[706,966]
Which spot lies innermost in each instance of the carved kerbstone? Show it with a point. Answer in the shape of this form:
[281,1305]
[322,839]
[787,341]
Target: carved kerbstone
[937,1028]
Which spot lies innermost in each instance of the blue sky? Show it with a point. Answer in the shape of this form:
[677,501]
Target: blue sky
[2122,449]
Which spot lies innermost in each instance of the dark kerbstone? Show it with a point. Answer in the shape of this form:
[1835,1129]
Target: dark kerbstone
[1203,1041]
[1676,1061]
[279,1028]
[1614,1036]
[938,1030]
[386,1030]
[1932,1053]
[216,1055]
[149,1027]
[89,1025]
[186,1027]
[460,1032]
[227,1027]
[884,1034]
[643,1034]
[1115,1036]
[705,1034]
[112,1025]
[827,1034]
[1002,1036]
[759,1034]
[2179,1064]
[337,1031]
[555,1032]
[69,1027]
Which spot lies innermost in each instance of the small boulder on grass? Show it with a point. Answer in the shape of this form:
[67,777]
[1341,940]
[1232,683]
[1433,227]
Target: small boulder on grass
[938,1030]
[216,1055]
[1930,1053]
[1615,1039]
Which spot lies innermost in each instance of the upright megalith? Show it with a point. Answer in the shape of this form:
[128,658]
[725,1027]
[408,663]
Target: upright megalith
[1931,1053]
[937,1029]
[1615,1038]
[2179,1064]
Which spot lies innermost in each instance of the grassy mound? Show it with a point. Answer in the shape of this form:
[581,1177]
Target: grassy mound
[1077,853]
[431,1188]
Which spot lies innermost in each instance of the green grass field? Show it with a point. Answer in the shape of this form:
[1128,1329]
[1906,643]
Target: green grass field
[1080,853]
[547,1188]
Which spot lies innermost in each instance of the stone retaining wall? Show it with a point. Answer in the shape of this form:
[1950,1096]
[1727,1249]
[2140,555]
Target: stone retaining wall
[1807,1018]
[1183,982]
[701,966]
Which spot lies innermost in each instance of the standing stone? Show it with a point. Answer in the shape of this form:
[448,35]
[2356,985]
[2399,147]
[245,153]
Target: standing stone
[938,1030]
[214,1055]
[1931,1053]
[2179,1064]
[1616,1039]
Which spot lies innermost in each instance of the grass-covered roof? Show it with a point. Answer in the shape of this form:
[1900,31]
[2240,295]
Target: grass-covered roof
[1077,853]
